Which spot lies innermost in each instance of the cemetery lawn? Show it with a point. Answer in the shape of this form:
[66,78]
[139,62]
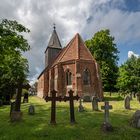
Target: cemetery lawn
[37,127]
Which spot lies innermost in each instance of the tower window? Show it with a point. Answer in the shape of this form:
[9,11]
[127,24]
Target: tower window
[68,78]
[86,77]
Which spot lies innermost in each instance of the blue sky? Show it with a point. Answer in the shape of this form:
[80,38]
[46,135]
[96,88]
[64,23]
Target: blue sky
[87,17]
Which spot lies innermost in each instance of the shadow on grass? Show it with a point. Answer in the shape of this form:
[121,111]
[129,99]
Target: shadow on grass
[119,98]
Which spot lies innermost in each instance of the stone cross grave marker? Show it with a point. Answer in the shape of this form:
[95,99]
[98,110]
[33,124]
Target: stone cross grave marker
[53,100]
[71,99]
[106,126]
[106,107]
[80,107]
[95,103]
[127,102]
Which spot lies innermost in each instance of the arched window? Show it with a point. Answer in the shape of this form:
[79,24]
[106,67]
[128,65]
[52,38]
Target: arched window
[86,77]
[68,78]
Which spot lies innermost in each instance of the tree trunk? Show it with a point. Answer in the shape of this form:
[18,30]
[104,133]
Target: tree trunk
[110,93]
[18,97]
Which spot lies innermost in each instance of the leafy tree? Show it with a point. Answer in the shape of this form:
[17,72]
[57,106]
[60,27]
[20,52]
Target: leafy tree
[104,50]
[13,67]
[129,76]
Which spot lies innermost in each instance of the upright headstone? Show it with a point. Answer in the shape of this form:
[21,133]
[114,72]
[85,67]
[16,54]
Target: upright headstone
[138,97]
[135,120]
[25,98]
[95,104]
[31,110]
[7,100]
[127,102]
[80,107]
[106,126]
[1,102]
[12,107]
[53,100]
[71,99]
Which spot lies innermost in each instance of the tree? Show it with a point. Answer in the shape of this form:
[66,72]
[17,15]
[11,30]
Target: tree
[13,67]
[129,76]
[104,50]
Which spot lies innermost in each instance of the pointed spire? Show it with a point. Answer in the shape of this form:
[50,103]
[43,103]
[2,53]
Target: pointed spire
[54,41]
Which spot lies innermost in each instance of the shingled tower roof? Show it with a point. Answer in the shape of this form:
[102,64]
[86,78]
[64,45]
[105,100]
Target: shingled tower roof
[54,41]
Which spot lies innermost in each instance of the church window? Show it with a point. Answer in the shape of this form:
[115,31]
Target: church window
[68,78]
[86,77]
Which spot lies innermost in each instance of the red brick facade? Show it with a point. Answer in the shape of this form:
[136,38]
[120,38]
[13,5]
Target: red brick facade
[75,60]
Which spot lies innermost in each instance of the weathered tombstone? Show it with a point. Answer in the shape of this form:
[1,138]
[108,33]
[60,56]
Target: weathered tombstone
[71,99]
[106,126]
[138,97]
[80,107]
[25,98]
[12,107]
[53,100]
[131,96]
[127,102]
[1,102]
[7,100]
[135,120]
[31,110]
[95,103]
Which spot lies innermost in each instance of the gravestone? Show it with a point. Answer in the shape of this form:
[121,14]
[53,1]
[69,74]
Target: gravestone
[31,110]
[95,104]
[106,126]
[131,96]
[25,98]
[127,102]
[135,120]
[53,100]
[12,107]
[80,107]
[7,100]
[1,102]
[71,99]
[138,97]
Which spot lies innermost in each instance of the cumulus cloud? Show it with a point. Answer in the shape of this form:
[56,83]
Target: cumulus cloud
[70,16]
[131,53]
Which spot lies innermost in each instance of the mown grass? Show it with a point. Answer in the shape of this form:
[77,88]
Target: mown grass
[88,124]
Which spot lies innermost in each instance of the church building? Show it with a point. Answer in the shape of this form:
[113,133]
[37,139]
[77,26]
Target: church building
[72,67]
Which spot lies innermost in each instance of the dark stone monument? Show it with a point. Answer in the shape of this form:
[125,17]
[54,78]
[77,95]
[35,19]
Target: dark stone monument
[25,98]
[71,99]
[127,102]
[80,107]
[138,97]
[1,102]
[53,100]
[106,126]
[135,120]
[7,100]
[12,107]
[31,110]
[94,103]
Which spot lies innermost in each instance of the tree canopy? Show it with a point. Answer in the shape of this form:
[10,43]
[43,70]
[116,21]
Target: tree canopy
[129,75]
[104,50]
[13,66]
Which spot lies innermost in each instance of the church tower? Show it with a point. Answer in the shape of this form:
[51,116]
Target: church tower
[53,48]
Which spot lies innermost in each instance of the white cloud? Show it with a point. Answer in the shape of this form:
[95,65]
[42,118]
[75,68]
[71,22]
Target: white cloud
[70,16]
[131,53]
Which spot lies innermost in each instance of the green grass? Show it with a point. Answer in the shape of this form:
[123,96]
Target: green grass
[37,127]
